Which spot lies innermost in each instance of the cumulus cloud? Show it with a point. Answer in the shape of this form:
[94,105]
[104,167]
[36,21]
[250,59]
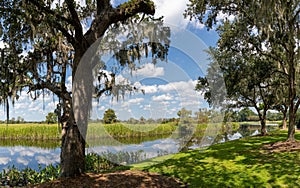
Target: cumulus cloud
[135,101]
[149,89]
[164,97]
[149,70]
[172,11]
[178,86]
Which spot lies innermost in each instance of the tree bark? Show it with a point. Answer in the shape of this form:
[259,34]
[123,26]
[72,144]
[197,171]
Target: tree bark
[73,145]
[291,127]
[263,126]
[292,96]
[292,62]
[72,152]
[284,122]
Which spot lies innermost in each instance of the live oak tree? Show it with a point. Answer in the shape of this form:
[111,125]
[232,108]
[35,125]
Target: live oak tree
[51,118]
[109,116]
[277,22]
[45,42]
[248,84]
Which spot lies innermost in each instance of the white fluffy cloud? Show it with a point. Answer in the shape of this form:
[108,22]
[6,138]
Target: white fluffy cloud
[149,70]
[135,101]
[173,13]
[164,97]
[149,89]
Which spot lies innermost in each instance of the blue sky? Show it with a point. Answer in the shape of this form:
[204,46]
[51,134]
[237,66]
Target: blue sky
[169,86]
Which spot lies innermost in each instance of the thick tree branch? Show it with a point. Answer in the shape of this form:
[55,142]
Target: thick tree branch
[60,92]
[103,5]
[119,14]
[76,21]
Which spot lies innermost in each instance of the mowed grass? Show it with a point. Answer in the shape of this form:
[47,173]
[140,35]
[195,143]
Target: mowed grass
[239,163]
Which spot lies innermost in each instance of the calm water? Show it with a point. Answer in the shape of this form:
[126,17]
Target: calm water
[22,155]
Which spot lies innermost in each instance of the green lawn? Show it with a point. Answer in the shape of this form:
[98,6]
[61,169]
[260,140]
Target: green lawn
[238,163]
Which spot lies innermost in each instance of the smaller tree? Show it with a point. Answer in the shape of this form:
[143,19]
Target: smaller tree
[51,118]
[245,114]
[20,119]
[142,120]
[183,113]
[109,116]
[202,116]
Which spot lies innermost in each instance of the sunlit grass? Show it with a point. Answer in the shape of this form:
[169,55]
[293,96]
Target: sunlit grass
[96,130]
[29,131]
[239,163]
[37,131]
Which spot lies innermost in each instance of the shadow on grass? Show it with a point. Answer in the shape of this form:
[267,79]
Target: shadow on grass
[239,163]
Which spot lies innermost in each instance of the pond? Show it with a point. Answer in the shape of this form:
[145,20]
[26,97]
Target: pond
[22,154]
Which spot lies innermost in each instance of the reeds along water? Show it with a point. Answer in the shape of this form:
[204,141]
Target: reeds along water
[95,130]
[129,130]
[29,131]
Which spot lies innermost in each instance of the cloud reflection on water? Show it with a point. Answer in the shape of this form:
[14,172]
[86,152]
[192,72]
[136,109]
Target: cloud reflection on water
[22,157]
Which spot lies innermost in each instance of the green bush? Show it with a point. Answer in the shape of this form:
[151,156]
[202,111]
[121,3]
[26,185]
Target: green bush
[14,177]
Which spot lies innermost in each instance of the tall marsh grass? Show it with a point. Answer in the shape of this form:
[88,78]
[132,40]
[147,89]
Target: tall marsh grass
[98,130]
[29,131]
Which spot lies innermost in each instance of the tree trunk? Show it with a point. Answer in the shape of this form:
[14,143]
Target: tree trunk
[73,145]
[76,119]
[263,126]
[263,118]
[284,122]
[292,96]
[72,152]
[291,128]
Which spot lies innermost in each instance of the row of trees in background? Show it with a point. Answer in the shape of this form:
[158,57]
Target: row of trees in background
[201,116]
[13,120]
[257,55]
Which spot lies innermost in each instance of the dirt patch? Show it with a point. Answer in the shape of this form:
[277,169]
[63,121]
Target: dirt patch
[120,179]
[282,146]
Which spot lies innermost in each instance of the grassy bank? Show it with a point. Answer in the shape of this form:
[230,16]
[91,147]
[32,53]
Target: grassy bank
[120,130]
[29,131]
[51,132]
[239,163]
[99,130]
